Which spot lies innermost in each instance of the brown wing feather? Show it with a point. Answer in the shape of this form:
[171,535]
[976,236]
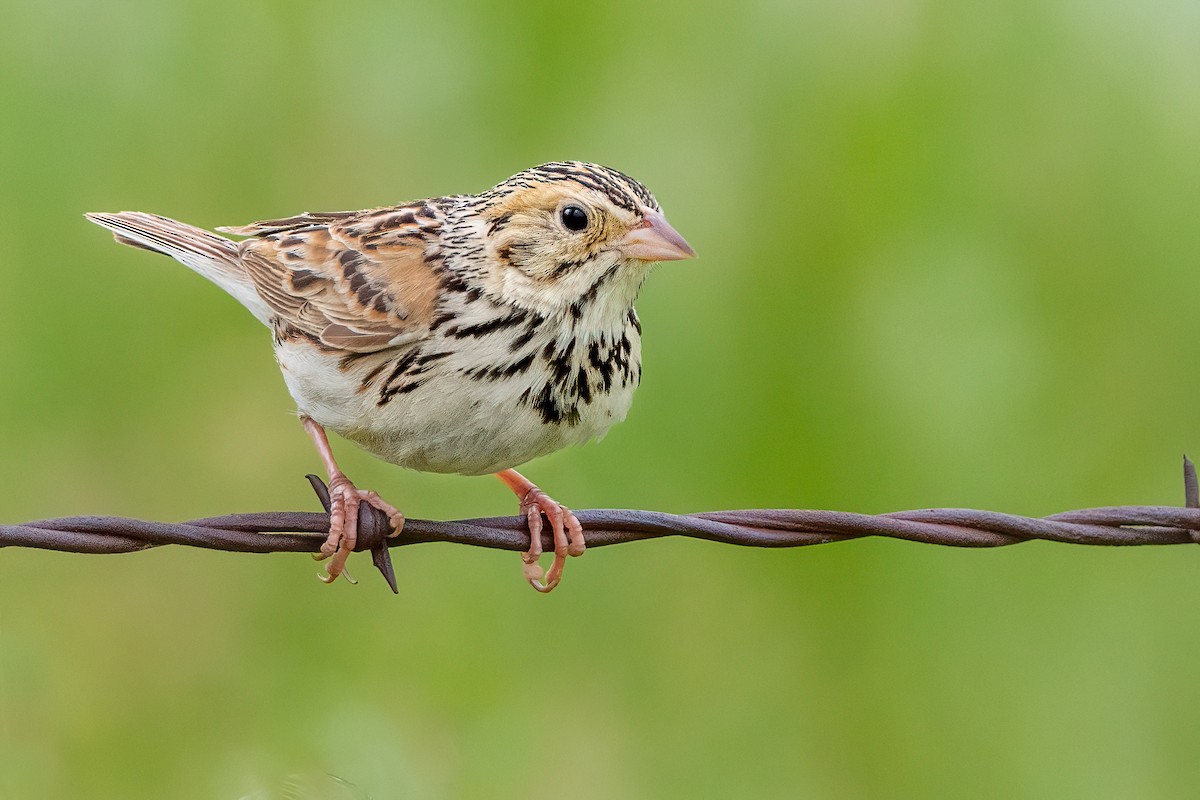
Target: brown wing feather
[358,281]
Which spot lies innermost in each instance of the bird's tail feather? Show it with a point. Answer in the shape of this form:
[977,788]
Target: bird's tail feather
[213,256]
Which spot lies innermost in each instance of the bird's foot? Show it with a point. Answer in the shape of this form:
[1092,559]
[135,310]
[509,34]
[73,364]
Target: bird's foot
[568,537]
[344,501]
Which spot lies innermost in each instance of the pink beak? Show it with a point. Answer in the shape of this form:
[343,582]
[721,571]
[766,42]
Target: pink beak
[655,240]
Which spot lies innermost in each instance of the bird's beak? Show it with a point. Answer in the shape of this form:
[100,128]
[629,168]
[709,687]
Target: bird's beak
[655,240]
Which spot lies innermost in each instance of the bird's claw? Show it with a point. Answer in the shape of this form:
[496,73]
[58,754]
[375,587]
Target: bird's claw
[568,538]
[344,501]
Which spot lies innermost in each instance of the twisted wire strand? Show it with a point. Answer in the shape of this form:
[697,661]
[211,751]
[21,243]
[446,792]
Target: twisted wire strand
[303,532]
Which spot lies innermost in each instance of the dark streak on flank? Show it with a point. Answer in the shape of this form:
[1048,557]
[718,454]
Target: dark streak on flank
[516,317]
[389,389]
[526,336]
[370,377]
[441,319]
[403,364]
[405,389]
[518,367]
[431,357]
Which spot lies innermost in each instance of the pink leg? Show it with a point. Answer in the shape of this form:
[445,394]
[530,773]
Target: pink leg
[568,533]
[344,499]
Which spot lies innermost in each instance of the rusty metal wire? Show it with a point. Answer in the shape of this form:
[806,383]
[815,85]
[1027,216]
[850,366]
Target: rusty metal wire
[303,532]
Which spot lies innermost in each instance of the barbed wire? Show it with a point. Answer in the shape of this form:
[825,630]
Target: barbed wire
[303,532]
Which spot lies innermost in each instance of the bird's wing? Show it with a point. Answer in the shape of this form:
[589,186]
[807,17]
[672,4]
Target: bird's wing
[358,281]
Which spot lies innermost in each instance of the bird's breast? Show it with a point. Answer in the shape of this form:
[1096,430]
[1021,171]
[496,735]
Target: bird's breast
[472,404]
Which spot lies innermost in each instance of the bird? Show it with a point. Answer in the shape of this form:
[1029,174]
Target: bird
[463,334]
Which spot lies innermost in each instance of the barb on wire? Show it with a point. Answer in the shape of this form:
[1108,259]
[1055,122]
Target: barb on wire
[303,532]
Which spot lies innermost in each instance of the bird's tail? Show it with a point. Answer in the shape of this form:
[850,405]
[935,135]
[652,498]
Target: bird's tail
[213,256]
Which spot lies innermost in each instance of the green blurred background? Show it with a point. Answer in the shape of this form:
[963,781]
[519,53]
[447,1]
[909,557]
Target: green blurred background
[948,258]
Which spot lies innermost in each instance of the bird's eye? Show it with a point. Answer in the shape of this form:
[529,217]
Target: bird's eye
[574,218]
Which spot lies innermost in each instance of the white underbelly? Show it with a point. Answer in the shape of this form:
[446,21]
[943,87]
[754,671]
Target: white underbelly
[452,423]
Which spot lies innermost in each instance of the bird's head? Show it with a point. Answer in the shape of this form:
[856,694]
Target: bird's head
[566,233]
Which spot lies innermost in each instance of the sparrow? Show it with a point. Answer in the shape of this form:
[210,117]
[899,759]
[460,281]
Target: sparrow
[462,334]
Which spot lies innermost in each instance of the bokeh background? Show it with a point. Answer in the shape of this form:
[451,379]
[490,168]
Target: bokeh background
[948,258]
